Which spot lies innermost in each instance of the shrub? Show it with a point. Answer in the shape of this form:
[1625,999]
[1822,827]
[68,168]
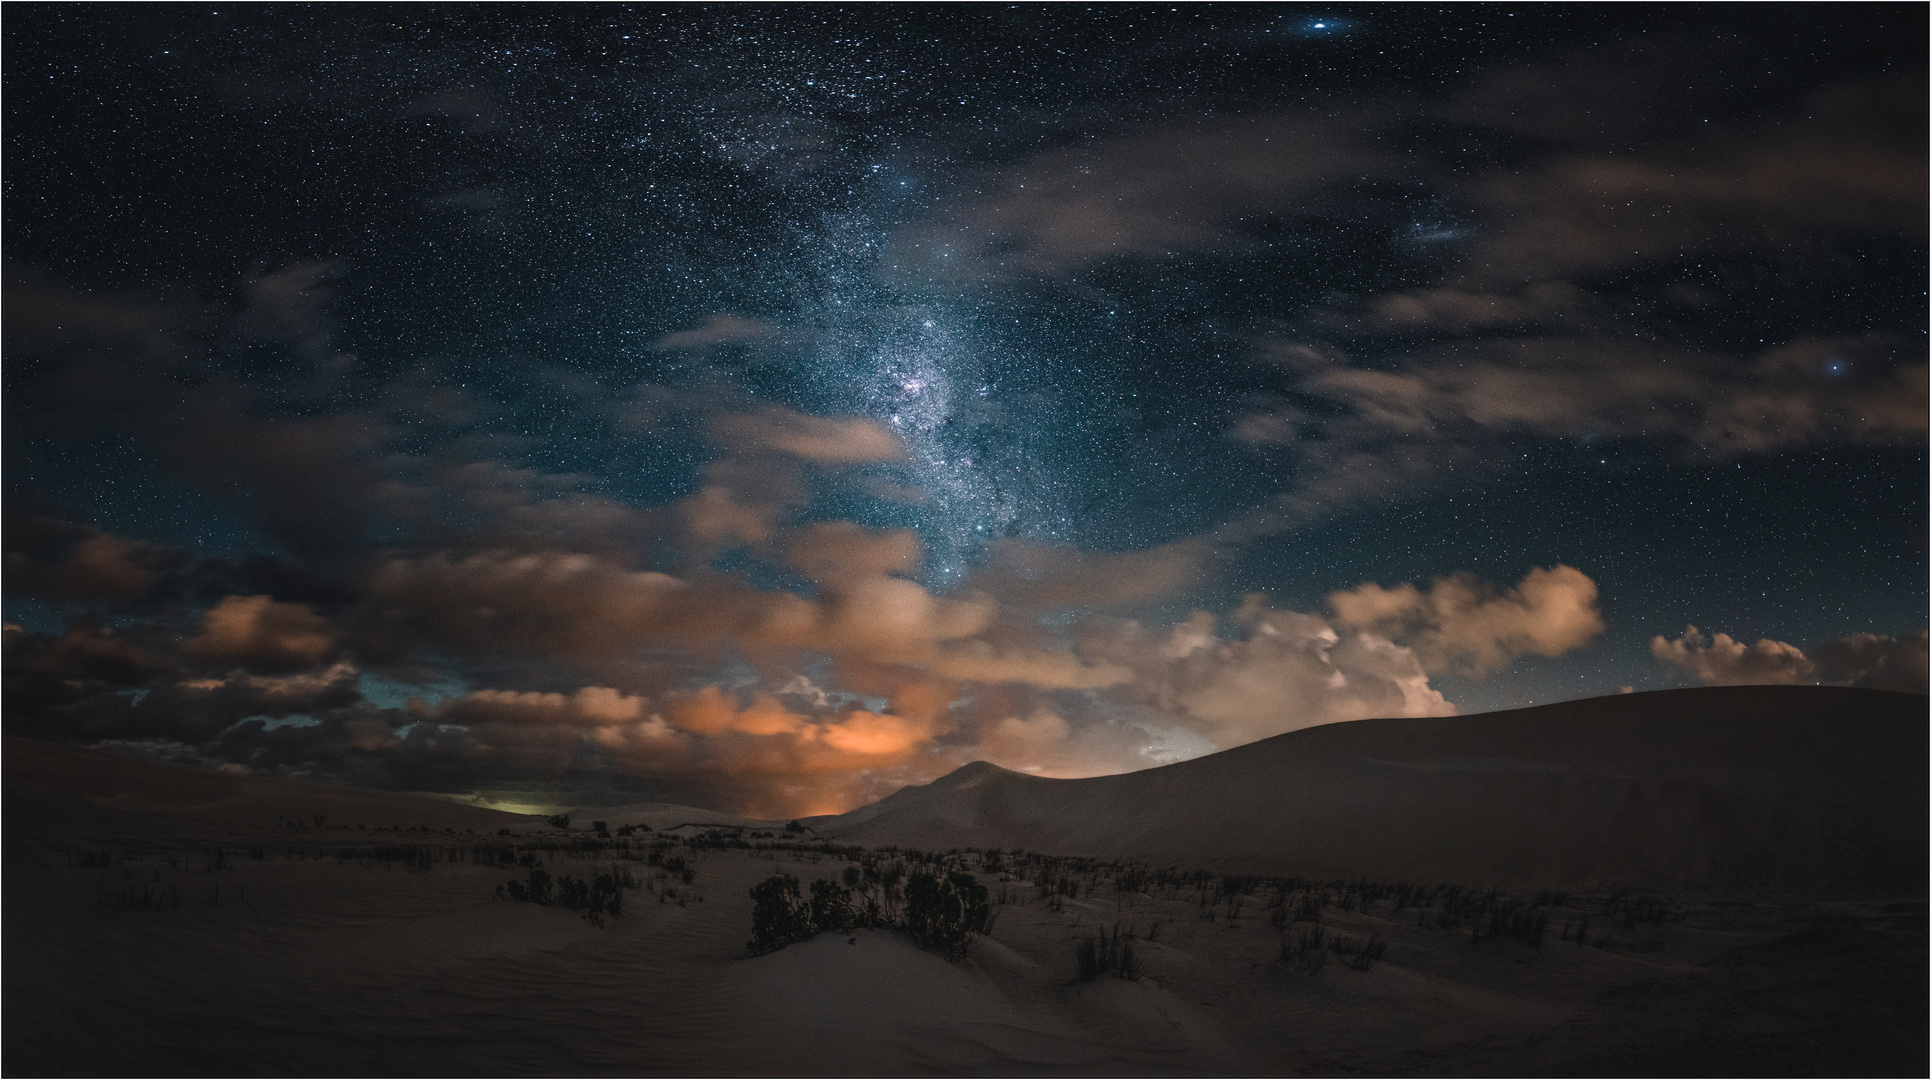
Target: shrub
[944,915]
[1107,954]
[831,906]
[1359,955]
[778,916]
[559,821]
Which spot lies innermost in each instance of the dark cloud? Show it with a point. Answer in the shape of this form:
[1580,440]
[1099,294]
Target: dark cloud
[1162,191]
[1394,429]
[1877,661]
[50,559]
[1873,661]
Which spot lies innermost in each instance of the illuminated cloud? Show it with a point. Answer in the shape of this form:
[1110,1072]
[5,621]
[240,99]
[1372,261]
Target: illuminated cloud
[259,629]
[1724,661]
[1466,625]
[1291,671]
[823,439]
[1873,661]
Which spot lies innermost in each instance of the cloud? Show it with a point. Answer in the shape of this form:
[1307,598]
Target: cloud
[1852,159]
[1397,426]
[290,306]
[44,316]
[1724,661]
[1178,187]
[822,439]
[258,629]
[1812,390]
[1868,660]
[1043,578]
[1292,671]
[1543,303]
[54,560]
[1466,625]
[718,330]
[1875,661]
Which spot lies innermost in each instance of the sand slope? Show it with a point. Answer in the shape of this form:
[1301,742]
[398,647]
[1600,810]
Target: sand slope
[298,956]
[1812,790]
[43,776]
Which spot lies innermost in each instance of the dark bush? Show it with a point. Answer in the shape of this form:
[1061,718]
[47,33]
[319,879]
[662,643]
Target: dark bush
[831,906]
[1107,954]
[559,821]
[945,915]
[1359,955]
[778,916]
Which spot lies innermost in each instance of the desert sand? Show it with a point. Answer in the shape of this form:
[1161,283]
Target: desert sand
[1750,865]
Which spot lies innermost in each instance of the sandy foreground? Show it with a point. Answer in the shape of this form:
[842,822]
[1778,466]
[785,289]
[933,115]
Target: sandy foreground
[164,921]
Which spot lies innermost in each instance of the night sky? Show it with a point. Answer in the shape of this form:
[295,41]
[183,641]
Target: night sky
[765,407]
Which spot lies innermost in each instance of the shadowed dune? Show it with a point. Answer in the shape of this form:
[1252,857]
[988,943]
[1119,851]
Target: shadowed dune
[45,778]
[310,949]
[1808,790]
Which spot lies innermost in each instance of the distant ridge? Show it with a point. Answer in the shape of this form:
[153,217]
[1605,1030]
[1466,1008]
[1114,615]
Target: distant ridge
[1806,790]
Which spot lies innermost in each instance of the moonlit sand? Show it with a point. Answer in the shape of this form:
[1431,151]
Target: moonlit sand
[1772,841]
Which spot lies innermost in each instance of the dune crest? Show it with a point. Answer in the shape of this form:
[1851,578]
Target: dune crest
[1810,790]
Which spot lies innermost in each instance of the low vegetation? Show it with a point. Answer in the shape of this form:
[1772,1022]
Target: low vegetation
[1107,953]
[944,912]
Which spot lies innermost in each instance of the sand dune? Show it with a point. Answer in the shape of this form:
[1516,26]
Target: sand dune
[337,950]
[43,777]
[1809,790]
[666,817]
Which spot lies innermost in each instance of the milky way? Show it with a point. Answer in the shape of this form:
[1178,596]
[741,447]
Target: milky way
[772,406]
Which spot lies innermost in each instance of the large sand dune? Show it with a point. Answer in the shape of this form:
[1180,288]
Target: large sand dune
[1811,790]
[288,947]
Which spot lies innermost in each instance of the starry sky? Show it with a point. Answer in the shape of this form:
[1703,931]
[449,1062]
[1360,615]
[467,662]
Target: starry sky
[766,407]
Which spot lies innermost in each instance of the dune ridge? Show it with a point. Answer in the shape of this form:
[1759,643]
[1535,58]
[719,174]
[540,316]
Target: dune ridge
[1813,791]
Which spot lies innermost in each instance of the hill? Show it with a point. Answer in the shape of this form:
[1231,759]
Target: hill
[1807,790]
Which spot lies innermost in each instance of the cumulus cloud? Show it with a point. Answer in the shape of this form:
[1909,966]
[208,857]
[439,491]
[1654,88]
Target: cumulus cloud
[1463,624]
[1873,661]
[1876,661]
[259,629]
[1291,671]
[1721,660]
[54,560]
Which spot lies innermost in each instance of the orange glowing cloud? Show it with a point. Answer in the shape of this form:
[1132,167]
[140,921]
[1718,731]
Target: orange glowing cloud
[259,628]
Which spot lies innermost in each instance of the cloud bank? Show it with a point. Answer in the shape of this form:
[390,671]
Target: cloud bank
[1873,661]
